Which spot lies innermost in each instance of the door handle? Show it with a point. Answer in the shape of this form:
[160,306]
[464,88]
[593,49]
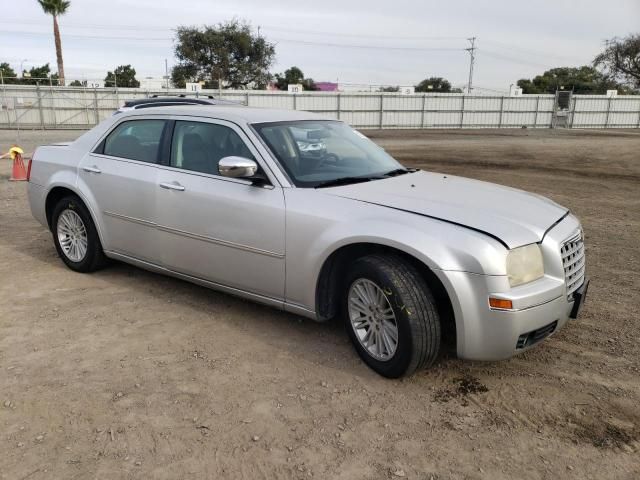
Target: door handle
[93,169]
[172,186]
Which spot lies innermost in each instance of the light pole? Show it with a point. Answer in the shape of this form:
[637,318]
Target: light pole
[21,70]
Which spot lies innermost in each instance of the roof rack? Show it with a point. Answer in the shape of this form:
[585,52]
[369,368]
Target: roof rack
[163,101]
[168,100]
[183,95]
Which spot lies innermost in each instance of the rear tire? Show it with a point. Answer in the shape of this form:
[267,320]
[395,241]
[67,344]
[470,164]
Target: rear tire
[75,236]
[402,300]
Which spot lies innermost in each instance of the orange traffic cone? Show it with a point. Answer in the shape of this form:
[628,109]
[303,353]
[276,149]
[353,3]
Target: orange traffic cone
[19,172]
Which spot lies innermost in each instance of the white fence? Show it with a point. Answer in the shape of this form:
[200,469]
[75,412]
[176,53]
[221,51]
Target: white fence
[64,107]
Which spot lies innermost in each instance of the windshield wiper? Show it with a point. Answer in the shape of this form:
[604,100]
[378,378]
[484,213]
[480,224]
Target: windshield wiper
[346,181]
[399,171]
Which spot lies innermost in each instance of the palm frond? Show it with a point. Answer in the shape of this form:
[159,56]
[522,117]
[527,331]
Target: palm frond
[54,7]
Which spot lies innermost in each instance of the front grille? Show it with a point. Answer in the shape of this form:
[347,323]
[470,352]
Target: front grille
[531,338]
[573,262]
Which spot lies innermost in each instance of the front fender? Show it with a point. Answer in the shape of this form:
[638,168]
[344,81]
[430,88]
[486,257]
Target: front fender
[316,229]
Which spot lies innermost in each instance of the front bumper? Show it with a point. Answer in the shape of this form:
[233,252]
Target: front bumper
[540,308]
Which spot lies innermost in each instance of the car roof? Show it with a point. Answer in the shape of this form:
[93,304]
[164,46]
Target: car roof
[236,114]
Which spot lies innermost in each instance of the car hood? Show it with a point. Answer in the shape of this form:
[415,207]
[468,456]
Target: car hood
[512,216]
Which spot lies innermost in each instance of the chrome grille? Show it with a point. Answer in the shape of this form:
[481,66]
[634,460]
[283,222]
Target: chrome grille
[573,262]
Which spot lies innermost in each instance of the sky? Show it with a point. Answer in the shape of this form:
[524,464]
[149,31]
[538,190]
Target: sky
[375,42]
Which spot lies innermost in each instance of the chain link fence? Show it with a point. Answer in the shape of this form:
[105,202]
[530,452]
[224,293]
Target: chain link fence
[50,107]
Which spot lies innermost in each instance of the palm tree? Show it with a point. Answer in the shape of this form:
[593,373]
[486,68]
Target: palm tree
[55,8]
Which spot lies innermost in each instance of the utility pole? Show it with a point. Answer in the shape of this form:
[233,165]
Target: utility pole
[166,74]
[472,52]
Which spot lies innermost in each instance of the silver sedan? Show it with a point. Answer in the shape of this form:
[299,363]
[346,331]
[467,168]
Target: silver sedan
[234,199]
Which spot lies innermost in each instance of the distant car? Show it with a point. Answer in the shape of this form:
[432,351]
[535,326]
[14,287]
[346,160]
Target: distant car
[171,100]
[308,145]
[232,198]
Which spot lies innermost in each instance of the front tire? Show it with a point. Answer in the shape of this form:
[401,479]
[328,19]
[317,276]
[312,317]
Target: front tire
[75,236]
[391,315]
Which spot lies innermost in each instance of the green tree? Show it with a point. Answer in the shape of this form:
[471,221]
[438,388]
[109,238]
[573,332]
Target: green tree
[123,76]
[181,74]
[620,60]
[78,83]
[434,84]
[389,89]
[291,76]
[55,8]
[583,79]
[228,52]
[38,75]
[8,74]
[294,76]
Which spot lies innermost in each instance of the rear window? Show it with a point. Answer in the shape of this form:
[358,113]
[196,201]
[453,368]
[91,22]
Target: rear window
[136,140]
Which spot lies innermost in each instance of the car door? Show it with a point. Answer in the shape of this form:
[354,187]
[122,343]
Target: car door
[223,230]
[121,175]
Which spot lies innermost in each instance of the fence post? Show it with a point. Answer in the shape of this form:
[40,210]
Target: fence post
[295,101]
[15,114]
[501,110]
[606,121]
[338,106]
[4,95]
[86,104]
[53,105]
[95,105]
[41,113]
[572,109]
[462,112]
[535,117]
[639,113]
[247,98]
[381,110]
[424,106]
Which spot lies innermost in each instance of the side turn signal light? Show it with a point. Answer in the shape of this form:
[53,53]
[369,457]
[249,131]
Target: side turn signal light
[500,303]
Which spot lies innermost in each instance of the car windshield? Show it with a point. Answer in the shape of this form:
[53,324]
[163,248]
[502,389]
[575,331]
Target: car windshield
[326,153]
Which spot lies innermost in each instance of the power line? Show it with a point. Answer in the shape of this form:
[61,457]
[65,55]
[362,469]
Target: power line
[511,48]
[513,59]
[496,44]
[99,37]
[267,27]
[281,40]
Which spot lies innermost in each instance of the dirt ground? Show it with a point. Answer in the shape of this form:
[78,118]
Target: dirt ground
[128,374]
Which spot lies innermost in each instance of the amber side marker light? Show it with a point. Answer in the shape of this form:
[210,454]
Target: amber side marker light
[500,303]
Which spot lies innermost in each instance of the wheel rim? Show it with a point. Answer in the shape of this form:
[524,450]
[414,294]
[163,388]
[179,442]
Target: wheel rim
[72,235]
[372,319]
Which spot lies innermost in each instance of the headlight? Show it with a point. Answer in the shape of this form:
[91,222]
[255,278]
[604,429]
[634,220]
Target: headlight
[524,264]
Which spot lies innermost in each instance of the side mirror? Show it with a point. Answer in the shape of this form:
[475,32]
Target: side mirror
[237,167]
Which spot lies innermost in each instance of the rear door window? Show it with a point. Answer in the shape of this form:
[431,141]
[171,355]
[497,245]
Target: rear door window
[136,140]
